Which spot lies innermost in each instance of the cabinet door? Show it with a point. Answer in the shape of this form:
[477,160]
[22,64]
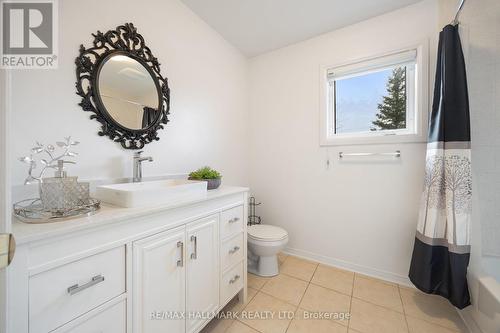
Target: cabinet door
[160,282]
[202,271]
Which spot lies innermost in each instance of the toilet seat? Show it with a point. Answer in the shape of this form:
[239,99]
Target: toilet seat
[266,233]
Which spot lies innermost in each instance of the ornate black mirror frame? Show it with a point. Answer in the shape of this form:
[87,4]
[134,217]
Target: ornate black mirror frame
[125,41]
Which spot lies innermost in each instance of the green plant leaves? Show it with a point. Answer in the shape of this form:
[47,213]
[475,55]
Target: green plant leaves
[205,173]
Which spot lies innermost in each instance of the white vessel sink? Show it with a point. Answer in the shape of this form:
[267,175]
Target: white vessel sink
[151,193]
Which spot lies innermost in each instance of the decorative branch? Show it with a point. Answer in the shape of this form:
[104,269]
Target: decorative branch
[50,162]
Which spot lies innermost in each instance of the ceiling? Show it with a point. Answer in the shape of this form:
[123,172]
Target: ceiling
[259,26]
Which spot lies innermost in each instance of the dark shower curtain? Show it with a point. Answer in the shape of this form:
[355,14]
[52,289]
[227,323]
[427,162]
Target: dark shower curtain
[442,249]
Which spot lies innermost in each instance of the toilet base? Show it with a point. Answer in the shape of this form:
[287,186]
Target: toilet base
[265,266]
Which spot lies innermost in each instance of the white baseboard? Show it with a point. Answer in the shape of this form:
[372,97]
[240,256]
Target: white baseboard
[373,272]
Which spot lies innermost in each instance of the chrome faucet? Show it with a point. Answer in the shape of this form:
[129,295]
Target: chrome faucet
[138,159]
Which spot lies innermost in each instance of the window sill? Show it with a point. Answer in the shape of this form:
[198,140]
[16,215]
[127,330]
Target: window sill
[372,140]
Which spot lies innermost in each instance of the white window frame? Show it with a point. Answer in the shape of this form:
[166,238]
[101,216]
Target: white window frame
[417,99]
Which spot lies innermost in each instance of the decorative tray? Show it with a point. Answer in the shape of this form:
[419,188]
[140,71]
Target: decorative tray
[32,211]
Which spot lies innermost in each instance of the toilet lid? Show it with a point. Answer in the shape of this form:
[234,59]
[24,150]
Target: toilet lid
[266,232]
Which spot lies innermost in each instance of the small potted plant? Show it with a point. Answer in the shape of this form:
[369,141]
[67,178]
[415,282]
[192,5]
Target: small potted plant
[208,174]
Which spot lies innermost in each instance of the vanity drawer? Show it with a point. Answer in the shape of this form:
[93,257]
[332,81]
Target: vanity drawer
[232,282]
[232,251]
[110,320]
[231,221]
[66,292]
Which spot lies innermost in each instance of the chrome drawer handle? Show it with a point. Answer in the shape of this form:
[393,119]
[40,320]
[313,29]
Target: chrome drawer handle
[77,288]
[195,254]
[234,220]
[180,262]
[234,250]
[233,280]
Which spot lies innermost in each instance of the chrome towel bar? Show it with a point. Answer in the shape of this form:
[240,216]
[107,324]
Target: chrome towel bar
[397,153]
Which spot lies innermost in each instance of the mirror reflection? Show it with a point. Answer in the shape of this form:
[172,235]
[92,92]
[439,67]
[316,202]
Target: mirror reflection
[128,92]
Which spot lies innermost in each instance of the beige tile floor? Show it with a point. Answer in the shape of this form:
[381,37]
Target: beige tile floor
[304,289]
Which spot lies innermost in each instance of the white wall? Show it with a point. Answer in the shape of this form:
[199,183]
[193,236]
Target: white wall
[358,214]
[481,27]
[361,214]
[207,76]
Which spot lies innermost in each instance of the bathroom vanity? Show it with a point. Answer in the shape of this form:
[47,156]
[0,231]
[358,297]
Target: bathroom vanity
[162,256]
[166,268]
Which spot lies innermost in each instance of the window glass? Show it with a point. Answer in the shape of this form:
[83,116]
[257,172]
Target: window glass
[373,101]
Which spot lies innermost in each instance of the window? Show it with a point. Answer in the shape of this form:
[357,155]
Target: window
[374,101]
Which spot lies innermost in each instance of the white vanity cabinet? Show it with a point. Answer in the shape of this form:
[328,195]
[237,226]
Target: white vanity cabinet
[233,252]
[176,276]
[202,271]
[99,321]
[131,270]
[159,281]
[61,294]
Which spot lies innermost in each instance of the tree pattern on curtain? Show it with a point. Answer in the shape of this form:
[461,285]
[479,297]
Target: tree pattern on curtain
[448,186]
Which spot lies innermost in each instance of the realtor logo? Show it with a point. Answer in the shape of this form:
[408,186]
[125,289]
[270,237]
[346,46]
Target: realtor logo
[29,39]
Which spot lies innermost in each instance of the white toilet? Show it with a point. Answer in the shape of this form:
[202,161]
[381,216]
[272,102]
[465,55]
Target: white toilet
[264,244]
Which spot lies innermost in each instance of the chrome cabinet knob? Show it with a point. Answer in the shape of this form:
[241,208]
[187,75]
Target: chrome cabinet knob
[233,280]
[234,250]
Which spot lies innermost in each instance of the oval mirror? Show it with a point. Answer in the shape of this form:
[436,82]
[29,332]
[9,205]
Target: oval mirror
[129,92]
